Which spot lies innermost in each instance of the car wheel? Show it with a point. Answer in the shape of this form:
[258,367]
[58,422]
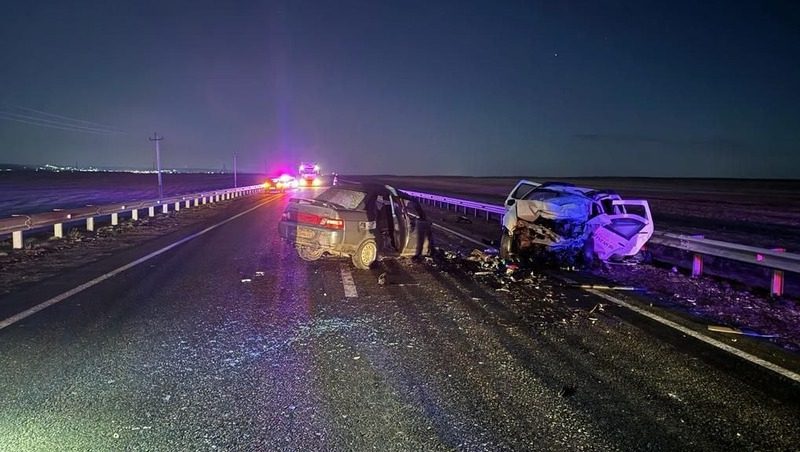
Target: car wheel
[365,255]
[309,254]
[506,245]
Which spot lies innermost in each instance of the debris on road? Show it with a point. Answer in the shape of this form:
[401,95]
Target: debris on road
[598,307]
[382,279]
[606,287]
[259,273]
[567,391]
[246,280]
[743,332]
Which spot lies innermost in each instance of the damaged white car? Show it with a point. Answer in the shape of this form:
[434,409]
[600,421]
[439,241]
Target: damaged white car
[571,224]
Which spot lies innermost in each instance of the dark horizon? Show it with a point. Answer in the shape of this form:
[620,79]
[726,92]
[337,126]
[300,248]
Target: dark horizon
[32,167]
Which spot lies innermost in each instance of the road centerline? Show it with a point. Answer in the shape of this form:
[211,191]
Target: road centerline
[348,283]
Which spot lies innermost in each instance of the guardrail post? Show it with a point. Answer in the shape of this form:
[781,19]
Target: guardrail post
[776,287]
[205,200]
[196,202]
[135,214]
[697,261]
[114,219]
[187,203]
[58,230]
[165,208]
[177,206]
[16,240]
[90,224]
[697,265]
[151,211]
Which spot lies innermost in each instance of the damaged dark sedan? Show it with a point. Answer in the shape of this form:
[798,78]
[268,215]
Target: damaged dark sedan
[360,222]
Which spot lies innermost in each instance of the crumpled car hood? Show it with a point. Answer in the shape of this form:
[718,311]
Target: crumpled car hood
[566,207]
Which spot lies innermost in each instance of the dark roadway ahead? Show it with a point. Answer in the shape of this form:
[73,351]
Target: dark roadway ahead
[179,353]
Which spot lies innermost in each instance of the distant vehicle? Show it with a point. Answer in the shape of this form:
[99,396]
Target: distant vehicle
[573,223]
[357,221]
[280,183]
[310,175]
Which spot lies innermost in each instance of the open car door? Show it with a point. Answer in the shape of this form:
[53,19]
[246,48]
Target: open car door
[419,229]
[624,232]
[400,223]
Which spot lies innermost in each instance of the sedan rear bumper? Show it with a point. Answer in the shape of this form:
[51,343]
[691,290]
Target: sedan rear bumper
[305,235]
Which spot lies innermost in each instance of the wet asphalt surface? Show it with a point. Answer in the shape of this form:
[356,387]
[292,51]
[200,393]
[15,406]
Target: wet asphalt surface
[179,353]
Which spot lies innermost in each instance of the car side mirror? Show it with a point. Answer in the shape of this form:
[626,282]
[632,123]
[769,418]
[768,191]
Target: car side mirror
[511,202]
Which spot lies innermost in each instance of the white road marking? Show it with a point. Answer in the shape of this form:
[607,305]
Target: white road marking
[348,283]
[59,298]
[689,332]
[462,236]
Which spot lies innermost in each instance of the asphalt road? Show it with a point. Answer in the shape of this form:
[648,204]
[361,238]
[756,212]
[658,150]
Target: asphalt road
[183,353]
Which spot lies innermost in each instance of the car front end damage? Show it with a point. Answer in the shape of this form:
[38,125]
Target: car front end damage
[556,227]
[571,224]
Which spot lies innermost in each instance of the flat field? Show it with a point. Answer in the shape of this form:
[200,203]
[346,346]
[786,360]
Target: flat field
[26,192]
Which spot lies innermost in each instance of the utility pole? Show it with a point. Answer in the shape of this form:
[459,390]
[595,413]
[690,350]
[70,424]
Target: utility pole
[235,182]
[156,139]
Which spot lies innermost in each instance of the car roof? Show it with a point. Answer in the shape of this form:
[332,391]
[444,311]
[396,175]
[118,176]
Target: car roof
[565,187]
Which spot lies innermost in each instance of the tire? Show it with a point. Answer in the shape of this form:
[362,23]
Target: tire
[309,254]
[365,255]
[506,245]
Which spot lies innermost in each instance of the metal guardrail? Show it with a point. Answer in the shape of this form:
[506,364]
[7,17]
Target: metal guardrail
[439,200]
[16,224]
[775,259]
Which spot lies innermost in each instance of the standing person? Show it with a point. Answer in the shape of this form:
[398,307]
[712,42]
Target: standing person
[423,228]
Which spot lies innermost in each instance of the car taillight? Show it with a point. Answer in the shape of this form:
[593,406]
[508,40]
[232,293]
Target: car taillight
[332,223]
[316,182]
[317,220]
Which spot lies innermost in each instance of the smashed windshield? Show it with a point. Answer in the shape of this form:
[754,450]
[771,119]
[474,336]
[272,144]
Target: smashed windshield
[349,199]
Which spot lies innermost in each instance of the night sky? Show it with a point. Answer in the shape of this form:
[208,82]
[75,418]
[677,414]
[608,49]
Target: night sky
[549,88]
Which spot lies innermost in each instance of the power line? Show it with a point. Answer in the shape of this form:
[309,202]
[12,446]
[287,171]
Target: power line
[55,124]
[36,122]
[53,121]
[67,118]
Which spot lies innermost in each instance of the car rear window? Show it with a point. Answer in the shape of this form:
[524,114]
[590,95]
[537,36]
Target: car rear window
[349,199]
